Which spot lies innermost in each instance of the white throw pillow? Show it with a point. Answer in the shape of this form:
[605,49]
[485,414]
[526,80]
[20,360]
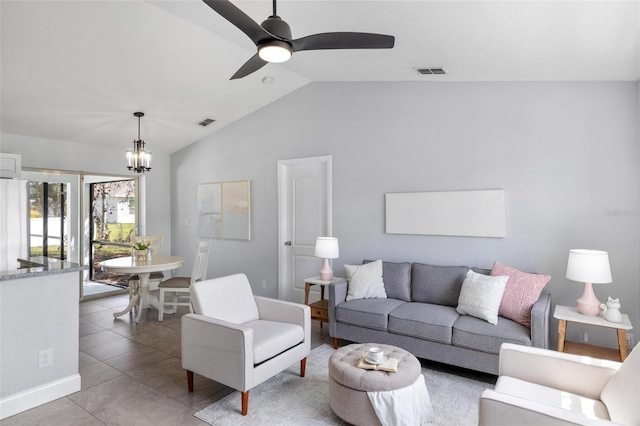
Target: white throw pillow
[481,295]
[365,281]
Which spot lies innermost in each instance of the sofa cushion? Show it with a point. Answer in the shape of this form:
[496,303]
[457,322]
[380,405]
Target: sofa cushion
[482,271]
[368,313]
[272,337]
[438,285]
[397,279]
[480,296]
[423,320]
[474,333]
[365,281]
[227,298]
[522,291]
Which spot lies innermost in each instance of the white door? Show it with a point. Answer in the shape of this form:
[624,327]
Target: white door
[304,213]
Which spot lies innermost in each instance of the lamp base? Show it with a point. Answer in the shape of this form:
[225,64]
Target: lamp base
[588,303]
[326,274]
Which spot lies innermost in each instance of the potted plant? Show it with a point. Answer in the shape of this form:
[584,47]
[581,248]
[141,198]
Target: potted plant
[141,251]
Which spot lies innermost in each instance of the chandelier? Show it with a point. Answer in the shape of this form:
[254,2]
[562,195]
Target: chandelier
[138,159]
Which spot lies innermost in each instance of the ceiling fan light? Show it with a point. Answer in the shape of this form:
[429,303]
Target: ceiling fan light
[275,51]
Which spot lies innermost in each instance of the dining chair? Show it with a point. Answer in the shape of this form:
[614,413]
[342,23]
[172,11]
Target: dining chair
[178,287]
[155,248]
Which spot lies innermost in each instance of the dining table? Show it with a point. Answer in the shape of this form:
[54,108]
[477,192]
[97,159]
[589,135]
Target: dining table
[130,265]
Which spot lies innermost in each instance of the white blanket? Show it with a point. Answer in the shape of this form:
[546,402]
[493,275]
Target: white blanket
[407,406]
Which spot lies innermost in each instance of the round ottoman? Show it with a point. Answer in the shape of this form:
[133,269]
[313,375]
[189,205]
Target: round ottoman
[348,385]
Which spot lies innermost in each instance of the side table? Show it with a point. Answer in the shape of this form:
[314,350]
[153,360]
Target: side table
[319,309]
[570,314]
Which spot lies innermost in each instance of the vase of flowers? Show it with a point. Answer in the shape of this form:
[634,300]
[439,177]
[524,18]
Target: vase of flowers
[141,251]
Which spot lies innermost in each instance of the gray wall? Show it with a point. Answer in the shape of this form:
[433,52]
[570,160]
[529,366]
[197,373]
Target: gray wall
[565,153]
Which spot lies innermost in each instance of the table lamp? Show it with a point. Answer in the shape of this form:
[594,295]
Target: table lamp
[327,248]
[589,267]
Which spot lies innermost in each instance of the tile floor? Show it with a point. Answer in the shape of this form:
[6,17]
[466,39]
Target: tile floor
[131,373]
[93,289]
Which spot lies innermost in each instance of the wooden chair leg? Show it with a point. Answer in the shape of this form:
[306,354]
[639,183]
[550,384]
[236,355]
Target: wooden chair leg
[335,343]
[190,380]
[245,403]
[303,366]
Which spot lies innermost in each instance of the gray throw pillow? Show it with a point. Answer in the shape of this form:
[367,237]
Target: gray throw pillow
[397,279]
[439,285]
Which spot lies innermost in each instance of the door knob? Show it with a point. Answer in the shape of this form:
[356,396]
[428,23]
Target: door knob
[288,243]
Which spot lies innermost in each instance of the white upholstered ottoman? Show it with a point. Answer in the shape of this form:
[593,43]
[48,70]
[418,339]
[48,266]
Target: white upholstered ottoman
[348,385]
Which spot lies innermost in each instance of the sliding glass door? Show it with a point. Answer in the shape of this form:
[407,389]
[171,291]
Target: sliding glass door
[113,223]
[54,211]
[48,219]
[84,219]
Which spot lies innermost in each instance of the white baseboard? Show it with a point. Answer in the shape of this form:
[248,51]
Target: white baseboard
[30,398]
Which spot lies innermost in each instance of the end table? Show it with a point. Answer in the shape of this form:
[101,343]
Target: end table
[319,309]
[570,314]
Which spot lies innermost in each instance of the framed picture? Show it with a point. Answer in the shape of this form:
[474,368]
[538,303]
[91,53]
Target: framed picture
[224,210]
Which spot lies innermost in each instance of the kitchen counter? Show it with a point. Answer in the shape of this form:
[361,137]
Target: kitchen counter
[39,266]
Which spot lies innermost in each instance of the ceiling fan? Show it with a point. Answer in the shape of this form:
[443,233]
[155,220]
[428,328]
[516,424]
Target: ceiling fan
[275,43]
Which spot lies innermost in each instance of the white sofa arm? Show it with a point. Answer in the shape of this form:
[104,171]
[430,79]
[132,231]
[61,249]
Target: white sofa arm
[572,373]
[283,311]
[497,409]
[210,345]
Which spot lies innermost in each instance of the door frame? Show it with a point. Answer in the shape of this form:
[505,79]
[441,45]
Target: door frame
[283,200]
[87,179]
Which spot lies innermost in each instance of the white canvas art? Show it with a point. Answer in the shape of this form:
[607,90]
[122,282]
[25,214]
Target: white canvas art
[224,210]
[460,213]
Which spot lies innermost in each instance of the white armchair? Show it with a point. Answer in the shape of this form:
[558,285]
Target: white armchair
[542,387]
[242,340]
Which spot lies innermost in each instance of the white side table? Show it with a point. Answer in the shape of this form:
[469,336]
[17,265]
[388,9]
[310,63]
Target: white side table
[570,314]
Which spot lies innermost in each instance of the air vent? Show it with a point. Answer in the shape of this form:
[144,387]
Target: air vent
[431,71]
[206,122]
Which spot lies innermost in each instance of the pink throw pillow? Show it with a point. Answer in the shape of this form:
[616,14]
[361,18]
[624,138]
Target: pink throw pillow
[521,292]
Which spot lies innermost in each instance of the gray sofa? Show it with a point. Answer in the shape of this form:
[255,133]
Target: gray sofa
[419,315]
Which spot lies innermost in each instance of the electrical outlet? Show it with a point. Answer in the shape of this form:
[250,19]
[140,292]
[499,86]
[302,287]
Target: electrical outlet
[585,337]
[45,358]
[264,283]
[631,341]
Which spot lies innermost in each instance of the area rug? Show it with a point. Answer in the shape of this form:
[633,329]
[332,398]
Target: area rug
[288,399]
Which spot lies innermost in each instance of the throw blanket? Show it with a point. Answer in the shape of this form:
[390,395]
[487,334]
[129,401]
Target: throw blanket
[407,406]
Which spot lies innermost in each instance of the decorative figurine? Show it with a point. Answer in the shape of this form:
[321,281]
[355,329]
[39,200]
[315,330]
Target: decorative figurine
[611,310]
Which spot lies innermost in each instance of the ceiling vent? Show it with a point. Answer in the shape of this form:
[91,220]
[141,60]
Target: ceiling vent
[431,71]
[206,122]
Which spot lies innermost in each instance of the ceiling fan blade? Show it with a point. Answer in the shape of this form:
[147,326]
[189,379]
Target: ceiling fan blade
[343,40]
[252,65]
[240,19]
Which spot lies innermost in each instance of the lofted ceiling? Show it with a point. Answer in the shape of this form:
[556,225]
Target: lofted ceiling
[78,70]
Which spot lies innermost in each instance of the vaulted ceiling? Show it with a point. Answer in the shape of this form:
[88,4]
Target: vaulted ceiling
[78,70]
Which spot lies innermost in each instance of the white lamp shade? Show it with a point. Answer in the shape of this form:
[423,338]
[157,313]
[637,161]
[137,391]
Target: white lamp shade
[589,266]
[327,248]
